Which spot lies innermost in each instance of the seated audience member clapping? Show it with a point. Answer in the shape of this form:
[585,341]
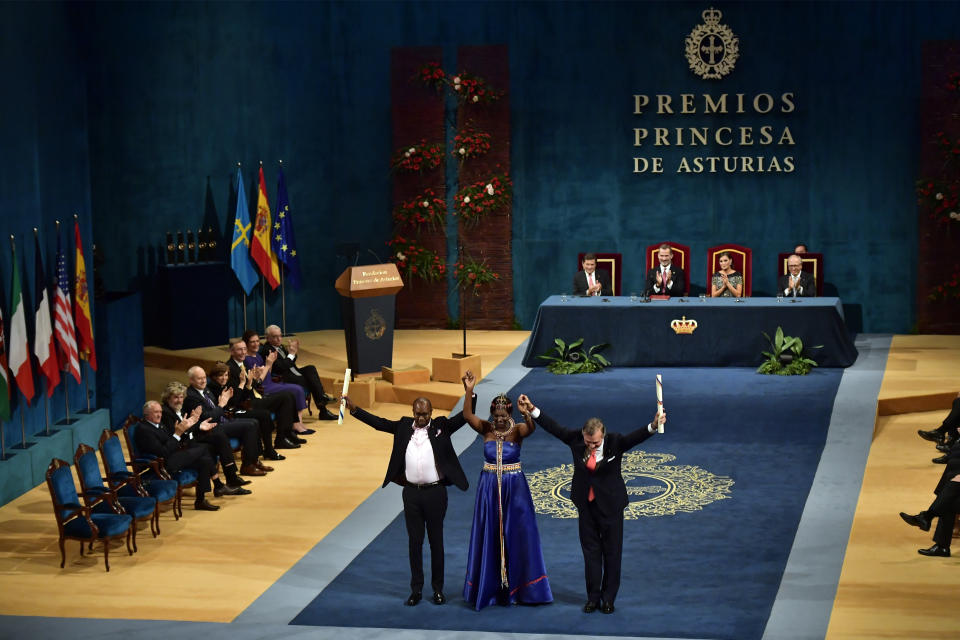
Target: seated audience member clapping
[271,383]
[591,282]
[726,282]
[796,282]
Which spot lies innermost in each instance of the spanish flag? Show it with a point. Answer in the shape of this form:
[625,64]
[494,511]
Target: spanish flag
[260,248]
[81,305]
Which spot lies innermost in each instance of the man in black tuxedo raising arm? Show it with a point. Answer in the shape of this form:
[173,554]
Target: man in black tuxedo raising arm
[600,495]
[424,463]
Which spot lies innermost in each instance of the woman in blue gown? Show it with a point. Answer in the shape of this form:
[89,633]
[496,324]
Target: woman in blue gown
[505,563]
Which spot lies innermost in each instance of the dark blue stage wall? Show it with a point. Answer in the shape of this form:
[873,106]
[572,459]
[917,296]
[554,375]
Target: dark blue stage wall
[45,175]
[179,92]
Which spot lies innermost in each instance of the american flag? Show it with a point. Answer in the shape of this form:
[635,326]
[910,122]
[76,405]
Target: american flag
[63,320]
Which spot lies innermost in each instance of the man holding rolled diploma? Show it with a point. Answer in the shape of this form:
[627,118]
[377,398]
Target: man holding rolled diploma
[600,495]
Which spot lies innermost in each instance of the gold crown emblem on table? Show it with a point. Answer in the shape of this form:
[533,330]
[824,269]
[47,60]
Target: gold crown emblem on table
[683,326]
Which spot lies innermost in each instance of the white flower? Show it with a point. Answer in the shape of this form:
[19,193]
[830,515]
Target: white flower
[476,98]
[406,154]
[456,87]
[490,189]
[954,215]
[939,196]
[400,256]
[412,150]
[462,150]
[456,80]
[466,200]
[424,204]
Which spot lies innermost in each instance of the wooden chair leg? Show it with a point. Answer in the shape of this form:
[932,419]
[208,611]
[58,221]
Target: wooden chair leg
[132,531]
[106,554]
[63,553]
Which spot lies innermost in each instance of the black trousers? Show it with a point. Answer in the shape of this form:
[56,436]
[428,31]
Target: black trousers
[952,421]
[310,381]
[425,509]
[945,508]
[601,539]
[264,420]
[283,406]
[195,457]
[245,430]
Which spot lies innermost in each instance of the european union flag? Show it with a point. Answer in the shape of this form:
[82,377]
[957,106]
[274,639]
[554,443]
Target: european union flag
[240,247]
[284,243]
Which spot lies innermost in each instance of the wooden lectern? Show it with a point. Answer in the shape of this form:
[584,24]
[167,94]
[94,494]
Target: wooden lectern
[367,306]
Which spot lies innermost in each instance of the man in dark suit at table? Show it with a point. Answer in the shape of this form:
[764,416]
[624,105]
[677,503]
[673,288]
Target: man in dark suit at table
[796,282]
[600,496]
[666,278]
[424,463]
[591,282]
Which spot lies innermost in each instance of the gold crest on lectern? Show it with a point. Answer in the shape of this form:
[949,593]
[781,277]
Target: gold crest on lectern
[712,48]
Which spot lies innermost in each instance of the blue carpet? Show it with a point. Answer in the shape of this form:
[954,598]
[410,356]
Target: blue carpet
[708,572]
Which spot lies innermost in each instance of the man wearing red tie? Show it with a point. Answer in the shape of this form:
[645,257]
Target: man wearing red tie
[591,282]
[600,496]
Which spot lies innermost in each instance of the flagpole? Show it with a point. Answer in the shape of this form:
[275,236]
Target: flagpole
[46,398]
[244,309]
[263,292]
[86,378]
[23,423]
[283,294]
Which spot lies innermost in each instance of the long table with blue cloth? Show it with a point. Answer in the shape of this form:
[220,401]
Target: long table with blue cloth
[729,331]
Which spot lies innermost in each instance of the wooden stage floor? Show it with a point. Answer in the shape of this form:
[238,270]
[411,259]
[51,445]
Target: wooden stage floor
[211,566]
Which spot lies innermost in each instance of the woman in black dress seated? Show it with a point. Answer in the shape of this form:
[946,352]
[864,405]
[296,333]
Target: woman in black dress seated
[726,282]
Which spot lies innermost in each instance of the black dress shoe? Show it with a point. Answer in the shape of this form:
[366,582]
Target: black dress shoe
[933,435]
[326,415]
[239,482]
[203,505]
[935,550]
[606,607]
[439,598]
[941,460]
[286,443]
[945,447]
[273,455]
[306,432]
[328,399]
[296,439]
[918,520]
[590,607]
[413,599]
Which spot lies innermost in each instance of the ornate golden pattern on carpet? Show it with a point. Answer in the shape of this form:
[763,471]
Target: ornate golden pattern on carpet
[654,487]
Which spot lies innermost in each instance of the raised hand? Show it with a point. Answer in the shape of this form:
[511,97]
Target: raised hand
[196,412]
[524,404]
[659,418]
[659,278]
[468,381]
[293,346]
[348,402]
[271,357]
[207,424]
[225,396]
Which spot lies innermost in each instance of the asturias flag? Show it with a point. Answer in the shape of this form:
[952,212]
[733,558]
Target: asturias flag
[261,251]
[19,349]
[284,243]
[240,247]
[81,300]
[43,346]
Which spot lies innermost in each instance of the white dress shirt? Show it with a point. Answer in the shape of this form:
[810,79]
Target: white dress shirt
[420,465]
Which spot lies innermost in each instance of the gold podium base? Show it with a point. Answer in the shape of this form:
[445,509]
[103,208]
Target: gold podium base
[452,369]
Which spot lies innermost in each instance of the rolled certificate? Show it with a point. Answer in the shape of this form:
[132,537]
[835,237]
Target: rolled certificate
[659,401]
[343,403]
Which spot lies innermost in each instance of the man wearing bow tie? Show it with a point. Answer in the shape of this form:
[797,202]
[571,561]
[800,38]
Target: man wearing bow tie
[589,281]
[424,463]
[600,496]
[666,278]
[796,282]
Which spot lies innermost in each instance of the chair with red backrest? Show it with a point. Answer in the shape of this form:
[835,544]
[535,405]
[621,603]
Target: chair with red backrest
[812,263]
[681,258]
[609,262]
[742,261]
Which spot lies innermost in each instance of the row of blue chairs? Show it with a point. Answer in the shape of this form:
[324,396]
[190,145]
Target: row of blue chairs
[109,508]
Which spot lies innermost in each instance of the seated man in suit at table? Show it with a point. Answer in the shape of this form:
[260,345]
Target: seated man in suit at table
[591,282]
[796,282]
[665,279]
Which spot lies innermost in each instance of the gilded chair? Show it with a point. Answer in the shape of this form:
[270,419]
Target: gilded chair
[742,261]
[93,489]
[681,258]
[78,522]
[812,263]
[609,262]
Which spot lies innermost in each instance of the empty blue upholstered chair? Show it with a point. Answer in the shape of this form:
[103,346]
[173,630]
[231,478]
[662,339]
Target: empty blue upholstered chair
[129,483]
[77,522]
[185,478]
[102,499]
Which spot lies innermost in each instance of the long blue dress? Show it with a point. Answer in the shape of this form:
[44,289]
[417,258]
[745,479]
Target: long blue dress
[526,574]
